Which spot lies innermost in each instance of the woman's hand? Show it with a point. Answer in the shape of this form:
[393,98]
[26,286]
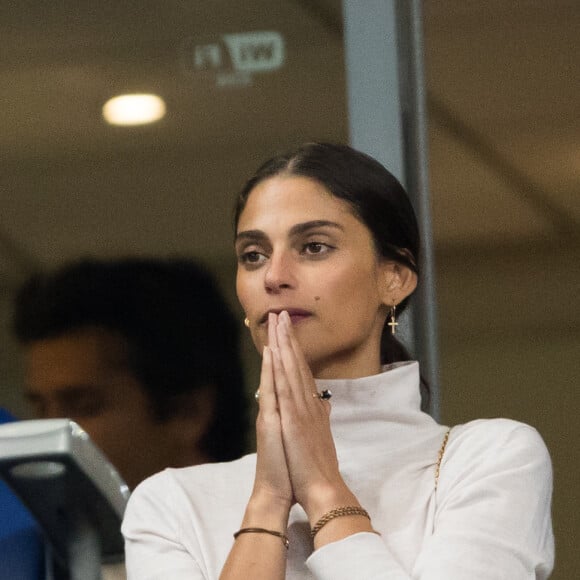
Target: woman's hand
[305,422]
[272,482]
[262,556]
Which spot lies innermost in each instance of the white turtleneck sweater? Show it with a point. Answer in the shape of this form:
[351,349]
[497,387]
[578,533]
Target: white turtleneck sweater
[488,518]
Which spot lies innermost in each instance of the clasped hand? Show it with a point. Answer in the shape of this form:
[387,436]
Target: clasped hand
[296,456]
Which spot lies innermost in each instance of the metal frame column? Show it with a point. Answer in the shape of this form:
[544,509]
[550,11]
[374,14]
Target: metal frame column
[386,106]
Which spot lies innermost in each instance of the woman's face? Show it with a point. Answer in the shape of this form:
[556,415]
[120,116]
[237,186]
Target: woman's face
[302,250]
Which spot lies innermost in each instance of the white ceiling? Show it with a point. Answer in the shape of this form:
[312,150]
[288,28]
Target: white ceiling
[504,122]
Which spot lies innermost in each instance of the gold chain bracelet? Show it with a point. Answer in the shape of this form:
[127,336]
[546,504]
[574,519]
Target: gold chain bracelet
[336,513]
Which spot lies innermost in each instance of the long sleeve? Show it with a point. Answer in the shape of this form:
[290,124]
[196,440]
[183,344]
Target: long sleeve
[153,547]
[492,520]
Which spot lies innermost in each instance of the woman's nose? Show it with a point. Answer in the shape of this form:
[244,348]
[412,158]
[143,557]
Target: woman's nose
[279,273]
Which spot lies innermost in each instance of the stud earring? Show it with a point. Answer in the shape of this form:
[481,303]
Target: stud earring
[392,321]
[247,322]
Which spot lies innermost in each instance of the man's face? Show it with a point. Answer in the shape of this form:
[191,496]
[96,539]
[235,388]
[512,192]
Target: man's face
[82,376]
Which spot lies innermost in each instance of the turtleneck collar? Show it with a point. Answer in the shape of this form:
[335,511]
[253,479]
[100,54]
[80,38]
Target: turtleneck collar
[395,390]
[382,406]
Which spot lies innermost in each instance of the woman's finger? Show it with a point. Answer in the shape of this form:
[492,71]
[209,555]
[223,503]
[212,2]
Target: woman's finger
[292,376]
[272,477]
[303,366]
[295,362]
[266,393]
[272,324]
[280,384]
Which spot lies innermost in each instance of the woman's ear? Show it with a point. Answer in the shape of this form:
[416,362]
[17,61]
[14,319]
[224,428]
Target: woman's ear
[398,282]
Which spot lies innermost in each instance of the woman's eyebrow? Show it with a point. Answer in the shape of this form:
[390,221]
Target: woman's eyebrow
[305,226]
[250,235]
[259,235]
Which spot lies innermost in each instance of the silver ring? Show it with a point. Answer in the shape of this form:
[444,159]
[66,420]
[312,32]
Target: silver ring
[325,395]
[257,394]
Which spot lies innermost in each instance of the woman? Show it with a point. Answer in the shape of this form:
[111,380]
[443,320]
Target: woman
[363,485]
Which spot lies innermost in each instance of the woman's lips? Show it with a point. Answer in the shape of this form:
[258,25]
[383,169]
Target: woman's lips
[295,318]
[296,314]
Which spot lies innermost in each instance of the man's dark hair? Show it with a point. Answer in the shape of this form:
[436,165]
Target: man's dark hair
[179,332]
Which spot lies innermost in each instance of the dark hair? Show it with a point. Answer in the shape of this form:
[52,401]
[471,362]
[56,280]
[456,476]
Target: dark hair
[373,193]
[179,332]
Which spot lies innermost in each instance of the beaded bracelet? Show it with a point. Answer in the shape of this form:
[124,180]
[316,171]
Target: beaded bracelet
[336,513]
[263,531]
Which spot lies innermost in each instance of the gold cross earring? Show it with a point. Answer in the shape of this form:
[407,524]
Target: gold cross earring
[392,321]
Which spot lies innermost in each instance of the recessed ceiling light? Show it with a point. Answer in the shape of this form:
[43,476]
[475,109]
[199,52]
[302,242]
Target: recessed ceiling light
[138,109]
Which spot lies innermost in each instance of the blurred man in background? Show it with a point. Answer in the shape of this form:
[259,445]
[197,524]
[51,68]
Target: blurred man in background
[143,354]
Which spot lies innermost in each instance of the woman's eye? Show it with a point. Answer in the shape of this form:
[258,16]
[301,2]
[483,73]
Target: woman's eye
[252,257]
[316,248]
